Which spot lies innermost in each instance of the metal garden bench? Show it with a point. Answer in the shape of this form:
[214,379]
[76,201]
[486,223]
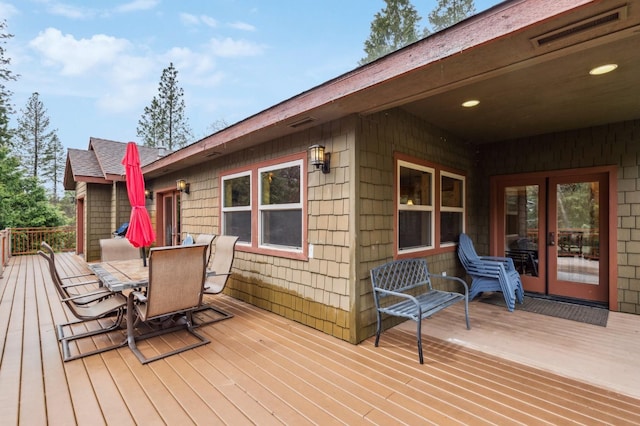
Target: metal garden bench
[403,288]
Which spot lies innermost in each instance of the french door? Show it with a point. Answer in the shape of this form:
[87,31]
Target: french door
[168,222]
[555,227]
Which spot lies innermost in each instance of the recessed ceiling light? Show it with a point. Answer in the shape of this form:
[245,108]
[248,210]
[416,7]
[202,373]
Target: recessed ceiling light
[470,103]
[603,69]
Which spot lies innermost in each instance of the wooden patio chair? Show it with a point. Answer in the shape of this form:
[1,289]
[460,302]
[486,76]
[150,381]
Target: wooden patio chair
[490,273]
[118,249]
[100,308]
[176,283]
[217,276]
[72,290]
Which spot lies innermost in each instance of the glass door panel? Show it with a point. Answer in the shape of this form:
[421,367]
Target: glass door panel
[577,221]
[522,231]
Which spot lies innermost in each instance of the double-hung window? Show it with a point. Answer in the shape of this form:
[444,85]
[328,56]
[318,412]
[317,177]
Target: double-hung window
[263,205]
[280,206]
[236,206]
[415,207]
[451,207]
[430,206]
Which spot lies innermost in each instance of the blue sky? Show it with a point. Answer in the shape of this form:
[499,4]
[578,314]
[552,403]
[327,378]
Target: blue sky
[97,64]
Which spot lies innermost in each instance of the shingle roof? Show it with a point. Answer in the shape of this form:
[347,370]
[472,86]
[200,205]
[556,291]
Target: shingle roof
[102,161]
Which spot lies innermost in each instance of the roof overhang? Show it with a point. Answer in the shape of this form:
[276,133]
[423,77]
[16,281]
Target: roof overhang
[526,61]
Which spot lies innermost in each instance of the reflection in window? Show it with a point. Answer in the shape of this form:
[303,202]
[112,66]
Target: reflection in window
[521,227]
[451,207]
[236,206]
[281,206]
[415,207]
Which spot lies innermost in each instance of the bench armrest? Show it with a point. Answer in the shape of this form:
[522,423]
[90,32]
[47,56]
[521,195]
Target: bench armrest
[451,278]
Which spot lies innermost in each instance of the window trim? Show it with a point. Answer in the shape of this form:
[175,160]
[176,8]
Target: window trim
[254,169]
[431,207]
[439,171]
[280,207]
[224,209]
[463,209]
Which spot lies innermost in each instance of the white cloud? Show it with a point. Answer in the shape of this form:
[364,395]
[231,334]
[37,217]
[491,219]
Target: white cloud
[77,56]
[188,19]
[70,11]
[136,5]
[234,48]
[242,26]
[209,21]
[7,10]
[192,20]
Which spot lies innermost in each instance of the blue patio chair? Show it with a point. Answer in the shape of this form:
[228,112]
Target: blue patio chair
[490,273]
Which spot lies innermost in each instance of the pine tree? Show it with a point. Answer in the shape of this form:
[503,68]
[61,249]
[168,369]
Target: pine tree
[163,123]
[6,109]
[450,12]
[392,28]
[53,164]
[152,125]
[33,135]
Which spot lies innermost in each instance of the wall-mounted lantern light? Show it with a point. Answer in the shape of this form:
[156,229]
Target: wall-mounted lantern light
[182,186]
[319,158]
[148,194]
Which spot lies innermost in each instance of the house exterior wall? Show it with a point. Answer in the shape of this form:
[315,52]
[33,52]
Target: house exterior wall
[613,144]
[380,136]
[98,213]
[81,192]
[120,206]
[313,291]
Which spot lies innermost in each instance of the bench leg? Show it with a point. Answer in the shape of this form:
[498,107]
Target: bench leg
[378,329]
[419,335]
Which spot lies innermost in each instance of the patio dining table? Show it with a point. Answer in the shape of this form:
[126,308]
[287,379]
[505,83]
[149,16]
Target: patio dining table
[120,275]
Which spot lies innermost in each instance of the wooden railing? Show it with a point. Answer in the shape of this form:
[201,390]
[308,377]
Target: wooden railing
[27,240]
[5,249]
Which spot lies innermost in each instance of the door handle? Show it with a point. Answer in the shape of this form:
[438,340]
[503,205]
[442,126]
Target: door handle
[552,239]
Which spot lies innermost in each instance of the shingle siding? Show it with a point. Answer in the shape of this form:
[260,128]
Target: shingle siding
[612,144]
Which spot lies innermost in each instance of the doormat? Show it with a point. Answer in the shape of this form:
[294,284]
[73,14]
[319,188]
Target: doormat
[553,308]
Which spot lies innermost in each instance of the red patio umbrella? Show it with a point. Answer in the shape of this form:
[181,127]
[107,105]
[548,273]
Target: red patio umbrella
[140,232]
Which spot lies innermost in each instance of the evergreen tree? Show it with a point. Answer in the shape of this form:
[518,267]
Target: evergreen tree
[23,202]
[151,126]
[392,28]
[450,12]
[53,164]
[163,123]
[6,109]
[33,135]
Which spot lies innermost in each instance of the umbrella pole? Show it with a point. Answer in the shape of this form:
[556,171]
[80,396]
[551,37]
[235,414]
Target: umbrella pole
[144,256]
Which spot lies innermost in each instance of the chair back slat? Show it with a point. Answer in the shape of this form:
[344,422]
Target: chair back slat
[176,279]
[221,263]
[208,240]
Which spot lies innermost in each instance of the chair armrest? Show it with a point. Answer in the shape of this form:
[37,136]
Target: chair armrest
[106,293]
[80,283]
[139,296]
[77,276]
[506,260]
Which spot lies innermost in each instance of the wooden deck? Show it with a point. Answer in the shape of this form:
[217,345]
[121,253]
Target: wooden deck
[263,369]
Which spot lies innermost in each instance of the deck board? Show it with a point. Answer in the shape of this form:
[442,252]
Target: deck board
[261,368]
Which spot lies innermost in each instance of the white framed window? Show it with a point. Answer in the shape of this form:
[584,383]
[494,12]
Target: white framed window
[452,207]
[415,198]
[280,212]
[236,206]
[430,204]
